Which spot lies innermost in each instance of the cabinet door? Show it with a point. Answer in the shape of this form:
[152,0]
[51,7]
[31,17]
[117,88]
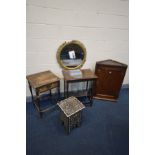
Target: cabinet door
[109,81]
[115,79]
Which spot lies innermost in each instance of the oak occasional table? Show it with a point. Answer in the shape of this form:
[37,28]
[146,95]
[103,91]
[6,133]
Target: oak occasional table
[71,113]
[87,76]
[40,83]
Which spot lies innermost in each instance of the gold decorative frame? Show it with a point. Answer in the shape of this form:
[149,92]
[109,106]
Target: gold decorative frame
[60,50]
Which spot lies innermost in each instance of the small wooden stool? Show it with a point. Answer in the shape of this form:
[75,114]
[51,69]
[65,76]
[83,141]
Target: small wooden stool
[71,113]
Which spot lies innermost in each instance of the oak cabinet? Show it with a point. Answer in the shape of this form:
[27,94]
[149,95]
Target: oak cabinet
[110,78]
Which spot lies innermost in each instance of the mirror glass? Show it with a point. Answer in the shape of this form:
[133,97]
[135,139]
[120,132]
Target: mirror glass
[71,55]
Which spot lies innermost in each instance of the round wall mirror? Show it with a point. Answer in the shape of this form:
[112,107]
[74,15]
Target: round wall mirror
[71,55]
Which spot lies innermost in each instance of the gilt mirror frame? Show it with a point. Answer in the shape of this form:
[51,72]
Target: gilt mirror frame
[62,46]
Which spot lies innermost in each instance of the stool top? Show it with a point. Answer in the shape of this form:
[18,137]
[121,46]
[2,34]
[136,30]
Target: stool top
[70,106]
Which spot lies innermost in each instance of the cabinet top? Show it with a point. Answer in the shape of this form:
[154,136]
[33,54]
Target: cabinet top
[110,62]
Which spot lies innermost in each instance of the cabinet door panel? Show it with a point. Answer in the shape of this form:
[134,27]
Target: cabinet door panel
[102,82]
[109,81]
[115,81]
[110,77]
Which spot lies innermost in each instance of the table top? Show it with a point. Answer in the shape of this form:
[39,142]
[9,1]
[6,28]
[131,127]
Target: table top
[87,74]
[70,106]
[42,78]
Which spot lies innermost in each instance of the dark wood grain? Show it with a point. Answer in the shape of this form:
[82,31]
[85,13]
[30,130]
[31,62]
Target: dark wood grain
[41,79]
[110,78]
[40,83]
[87,76]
